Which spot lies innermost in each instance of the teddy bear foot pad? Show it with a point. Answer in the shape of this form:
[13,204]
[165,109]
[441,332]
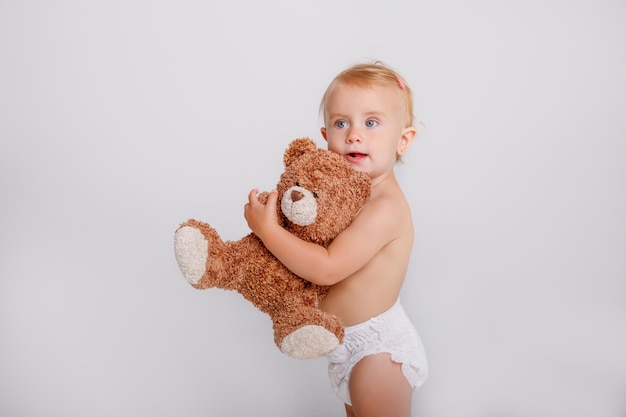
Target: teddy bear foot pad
[191,249]
[309,342]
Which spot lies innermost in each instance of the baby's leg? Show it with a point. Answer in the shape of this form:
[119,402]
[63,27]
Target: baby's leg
[379,388]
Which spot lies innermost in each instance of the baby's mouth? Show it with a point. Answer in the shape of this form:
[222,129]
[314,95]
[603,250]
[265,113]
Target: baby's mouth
[356,155]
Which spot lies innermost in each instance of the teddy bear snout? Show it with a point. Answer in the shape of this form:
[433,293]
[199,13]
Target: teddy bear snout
[299,206]
[296,195]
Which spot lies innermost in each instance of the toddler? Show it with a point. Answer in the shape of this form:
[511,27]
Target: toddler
[368,119]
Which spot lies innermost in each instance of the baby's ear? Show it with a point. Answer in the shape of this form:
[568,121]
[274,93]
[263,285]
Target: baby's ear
[263,197]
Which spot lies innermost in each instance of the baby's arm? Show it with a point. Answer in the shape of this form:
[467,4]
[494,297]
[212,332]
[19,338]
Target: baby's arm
[372,229]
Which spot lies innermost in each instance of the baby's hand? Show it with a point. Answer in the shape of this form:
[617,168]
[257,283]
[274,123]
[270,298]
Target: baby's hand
[259,216]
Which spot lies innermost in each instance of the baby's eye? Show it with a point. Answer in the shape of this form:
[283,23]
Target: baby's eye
[341,124]
[371,123]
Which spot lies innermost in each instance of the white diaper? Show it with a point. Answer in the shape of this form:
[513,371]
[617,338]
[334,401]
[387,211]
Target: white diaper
[390,332]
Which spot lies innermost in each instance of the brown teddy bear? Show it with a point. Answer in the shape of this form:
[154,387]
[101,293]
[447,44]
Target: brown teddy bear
[319,195]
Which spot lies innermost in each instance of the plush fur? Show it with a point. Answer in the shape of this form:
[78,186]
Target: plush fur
[319,195]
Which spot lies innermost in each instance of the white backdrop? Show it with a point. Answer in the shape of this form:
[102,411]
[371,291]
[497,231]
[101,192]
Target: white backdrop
[121,119]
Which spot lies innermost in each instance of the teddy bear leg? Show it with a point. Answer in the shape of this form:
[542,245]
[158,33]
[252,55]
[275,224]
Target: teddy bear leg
[192,251]
[309,342]
[315,335]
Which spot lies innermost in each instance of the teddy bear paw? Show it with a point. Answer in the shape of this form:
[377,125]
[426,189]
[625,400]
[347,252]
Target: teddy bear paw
[309,342]
[191,249]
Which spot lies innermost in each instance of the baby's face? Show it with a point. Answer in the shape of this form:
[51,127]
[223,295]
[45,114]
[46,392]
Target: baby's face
[367,126]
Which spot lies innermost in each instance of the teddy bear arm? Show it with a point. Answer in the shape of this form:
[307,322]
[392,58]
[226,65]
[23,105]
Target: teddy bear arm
[207,261]
[242,262]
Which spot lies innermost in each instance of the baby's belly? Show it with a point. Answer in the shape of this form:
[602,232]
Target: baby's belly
[353,306]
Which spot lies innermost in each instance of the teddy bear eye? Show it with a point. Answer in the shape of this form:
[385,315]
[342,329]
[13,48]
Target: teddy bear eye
[297,184]
[314,194]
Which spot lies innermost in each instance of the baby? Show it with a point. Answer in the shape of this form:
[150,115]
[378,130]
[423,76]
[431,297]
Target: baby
[368,119]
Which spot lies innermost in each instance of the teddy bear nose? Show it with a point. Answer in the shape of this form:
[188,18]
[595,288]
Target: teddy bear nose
[296,195]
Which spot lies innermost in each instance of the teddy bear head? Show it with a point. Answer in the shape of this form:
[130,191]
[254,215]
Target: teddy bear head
[319,192]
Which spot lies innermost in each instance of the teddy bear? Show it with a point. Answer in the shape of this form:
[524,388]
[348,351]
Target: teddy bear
[319,194]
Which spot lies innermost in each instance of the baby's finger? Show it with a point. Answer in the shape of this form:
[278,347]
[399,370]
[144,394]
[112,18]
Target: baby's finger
[272,198]
[252,197]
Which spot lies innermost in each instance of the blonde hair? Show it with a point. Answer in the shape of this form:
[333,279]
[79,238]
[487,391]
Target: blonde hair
[367,75]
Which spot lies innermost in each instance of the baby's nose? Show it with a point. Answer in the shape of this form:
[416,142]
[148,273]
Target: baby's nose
[354,137]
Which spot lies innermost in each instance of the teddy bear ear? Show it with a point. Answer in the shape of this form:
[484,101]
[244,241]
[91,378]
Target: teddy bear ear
[297,148]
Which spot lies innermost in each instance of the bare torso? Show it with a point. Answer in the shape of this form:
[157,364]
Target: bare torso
[375,287]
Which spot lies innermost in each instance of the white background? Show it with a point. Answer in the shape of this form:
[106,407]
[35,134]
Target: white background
[121,119]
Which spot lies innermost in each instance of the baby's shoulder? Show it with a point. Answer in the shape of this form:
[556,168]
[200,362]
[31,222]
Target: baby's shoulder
[387,207]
